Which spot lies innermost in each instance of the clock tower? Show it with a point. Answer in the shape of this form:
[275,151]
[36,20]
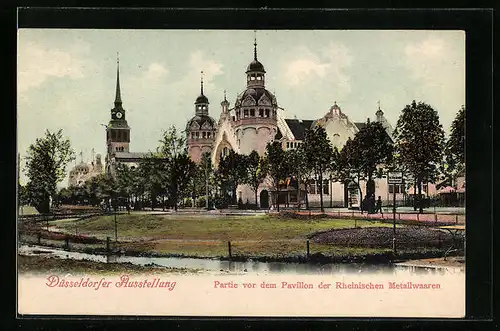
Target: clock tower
[117,131]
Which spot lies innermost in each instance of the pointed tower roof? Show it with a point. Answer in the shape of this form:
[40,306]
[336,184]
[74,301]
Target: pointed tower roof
[255,65]
[118,97]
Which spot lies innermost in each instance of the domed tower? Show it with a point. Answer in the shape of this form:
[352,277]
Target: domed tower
[379,117]
[201,128]
[255,111]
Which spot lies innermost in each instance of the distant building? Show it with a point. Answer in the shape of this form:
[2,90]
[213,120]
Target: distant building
[84,171]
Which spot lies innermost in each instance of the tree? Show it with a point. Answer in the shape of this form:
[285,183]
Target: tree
[455,146]
[318,152]
[124,181]
[276,166]
[232,171]
[179,167]
[374,148]
[46,166]
[299,169]
[348,169]
[256,172]
[419,141]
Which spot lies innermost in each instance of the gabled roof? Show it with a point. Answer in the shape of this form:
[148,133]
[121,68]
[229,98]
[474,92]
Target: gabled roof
[299,127]
[360,125]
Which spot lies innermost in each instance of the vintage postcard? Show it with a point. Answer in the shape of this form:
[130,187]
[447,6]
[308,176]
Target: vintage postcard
[314,173]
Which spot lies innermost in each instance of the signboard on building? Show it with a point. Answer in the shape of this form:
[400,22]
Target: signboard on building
[395,177]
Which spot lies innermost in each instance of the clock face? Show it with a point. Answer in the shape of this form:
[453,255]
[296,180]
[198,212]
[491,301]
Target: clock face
[118,115]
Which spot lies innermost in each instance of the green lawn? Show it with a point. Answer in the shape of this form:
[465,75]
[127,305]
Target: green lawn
[234,228]
[207,236]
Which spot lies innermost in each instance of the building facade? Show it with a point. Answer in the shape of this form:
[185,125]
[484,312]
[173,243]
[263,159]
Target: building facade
[84,171]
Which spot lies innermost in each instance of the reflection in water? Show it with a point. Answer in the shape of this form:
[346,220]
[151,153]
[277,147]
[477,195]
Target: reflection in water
[244,267]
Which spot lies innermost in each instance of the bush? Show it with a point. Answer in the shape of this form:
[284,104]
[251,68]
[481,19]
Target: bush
[188,203]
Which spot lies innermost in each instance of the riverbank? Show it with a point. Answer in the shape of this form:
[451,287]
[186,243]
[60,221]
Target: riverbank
[28,264]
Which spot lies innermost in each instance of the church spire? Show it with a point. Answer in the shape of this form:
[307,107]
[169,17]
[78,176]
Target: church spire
[255,45]
[118,97]
[201,83]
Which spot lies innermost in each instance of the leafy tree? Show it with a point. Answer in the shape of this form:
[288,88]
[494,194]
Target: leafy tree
[374,148]
[256,172]
[318,152]
[277,166]
[299,169]
[124,181]
[46,166]
[232,172]
[206,177]
[419,141]
[454,159]
[349,167]
[179,167]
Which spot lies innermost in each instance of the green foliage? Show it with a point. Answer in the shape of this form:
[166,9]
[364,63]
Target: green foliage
[318,154]
[46,166]
[177,168]
[232,171]
[454,160]
[420,142]
[256,172]
[277,167]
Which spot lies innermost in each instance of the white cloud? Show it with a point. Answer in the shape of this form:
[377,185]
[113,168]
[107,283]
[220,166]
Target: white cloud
[36,63]
[327,64]
[155,72]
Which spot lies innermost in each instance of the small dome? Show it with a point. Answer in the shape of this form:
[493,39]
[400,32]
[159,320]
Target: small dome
[201,120]
[255,66]
[256,94]
[201,99]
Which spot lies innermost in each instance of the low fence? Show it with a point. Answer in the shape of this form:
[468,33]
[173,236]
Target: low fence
[404,217]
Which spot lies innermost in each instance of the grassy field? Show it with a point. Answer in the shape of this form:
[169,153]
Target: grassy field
[259,227]
[207,236]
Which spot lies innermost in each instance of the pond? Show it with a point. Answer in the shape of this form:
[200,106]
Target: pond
[250,267]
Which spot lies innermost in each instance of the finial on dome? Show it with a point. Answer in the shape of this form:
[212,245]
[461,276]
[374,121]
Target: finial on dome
[201,82]
[255,45]
[225,95]
[378,103]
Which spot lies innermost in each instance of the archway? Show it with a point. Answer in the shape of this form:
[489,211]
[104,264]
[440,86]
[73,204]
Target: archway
[264,199]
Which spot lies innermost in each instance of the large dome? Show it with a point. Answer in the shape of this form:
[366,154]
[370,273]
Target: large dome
[255,66]
[257,97]
[204,122]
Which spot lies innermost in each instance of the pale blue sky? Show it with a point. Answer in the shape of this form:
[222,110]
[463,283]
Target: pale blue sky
[66,77]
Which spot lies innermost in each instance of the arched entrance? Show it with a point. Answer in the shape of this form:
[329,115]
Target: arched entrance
[264,199]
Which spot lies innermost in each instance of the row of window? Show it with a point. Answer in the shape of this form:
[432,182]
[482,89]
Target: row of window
[202,135]
[314,187]
[120,149]
[118,135]
[293,144]
[266,113]
[400,188]
[255,77]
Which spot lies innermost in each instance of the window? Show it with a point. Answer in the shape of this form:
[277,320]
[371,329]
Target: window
[245,113]
[261,112]
[197,135]
[398,188]
[234,119]
[252,112]
[267,112]
[204,135]
[312,187]
[287,145]
[259,77]
[252,78]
